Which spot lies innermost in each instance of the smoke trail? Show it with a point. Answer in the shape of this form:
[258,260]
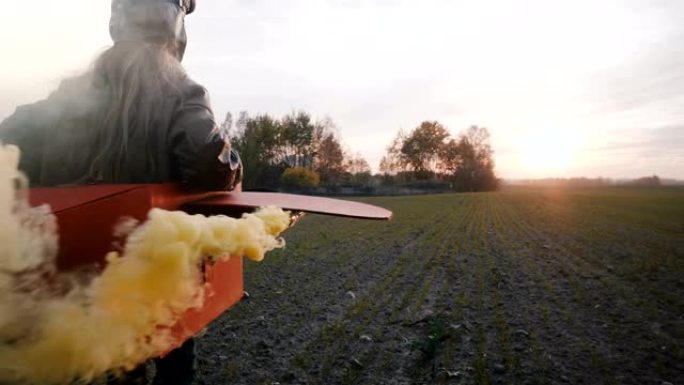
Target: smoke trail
[122,316]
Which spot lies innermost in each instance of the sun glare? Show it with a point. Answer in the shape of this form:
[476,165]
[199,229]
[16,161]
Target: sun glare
[549,153]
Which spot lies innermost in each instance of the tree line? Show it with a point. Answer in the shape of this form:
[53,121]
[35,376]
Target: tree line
[646,181]
[298,152]
[293,151]
[430,153]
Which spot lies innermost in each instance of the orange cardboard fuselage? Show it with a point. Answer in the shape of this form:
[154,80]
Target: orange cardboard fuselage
[87,216]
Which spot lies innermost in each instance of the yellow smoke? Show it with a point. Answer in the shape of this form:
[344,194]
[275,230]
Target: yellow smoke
[122,317]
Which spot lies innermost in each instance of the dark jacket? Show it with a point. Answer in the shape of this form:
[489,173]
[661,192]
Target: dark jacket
[55,136]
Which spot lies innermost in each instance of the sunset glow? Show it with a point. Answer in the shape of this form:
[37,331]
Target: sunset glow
[549,153]
[375,67]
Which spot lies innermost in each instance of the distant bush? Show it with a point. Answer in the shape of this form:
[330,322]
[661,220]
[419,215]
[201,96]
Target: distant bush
[300,177]
[646,181]
[432,184]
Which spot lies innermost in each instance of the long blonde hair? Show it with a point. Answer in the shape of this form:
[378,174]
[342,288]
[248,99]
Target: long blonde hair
[134,82]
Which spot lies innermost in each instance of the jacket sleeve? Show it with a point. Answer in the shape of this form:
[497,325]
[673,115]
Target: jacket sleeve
[24,129]
[197,147]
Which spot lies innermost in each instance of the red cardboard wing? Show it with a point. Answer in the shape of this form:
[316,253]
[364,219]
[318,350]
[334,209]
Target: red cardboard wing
[87,216]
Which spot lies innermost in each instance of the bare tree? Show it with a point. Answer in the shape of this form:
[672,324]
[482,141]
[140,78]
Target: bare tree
[227,126]
[330,160]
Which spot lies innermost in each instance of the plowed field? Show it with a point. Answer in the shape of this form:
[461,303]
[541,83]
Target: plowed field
[523,286]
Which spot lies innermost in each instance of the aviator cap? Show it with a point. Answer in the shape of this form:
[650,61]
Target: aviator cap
[151,21]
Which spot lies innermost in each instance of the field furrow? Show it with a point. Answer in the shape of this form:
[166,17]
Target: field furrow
[525,286]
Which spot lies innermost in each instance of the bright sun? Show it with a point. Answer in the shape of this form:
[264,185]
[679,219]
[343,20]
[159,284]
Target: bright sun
[548,153]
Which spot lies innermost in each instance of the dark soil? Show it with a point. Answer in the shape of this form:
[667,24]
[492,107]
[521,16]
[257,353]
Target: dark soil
[517,287]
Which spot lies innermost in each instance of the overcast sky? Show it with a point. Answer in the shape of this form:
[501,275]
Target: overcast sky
[566,88]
